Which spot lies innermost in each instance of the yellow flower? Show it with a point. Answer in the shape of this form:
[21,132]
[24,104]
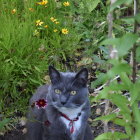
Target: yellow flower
[31,9]
[55,30]
[39,23]
[56,22]
[66,3]
[43,2]
[53,19]
[13,11]
[46,26]
[65,31]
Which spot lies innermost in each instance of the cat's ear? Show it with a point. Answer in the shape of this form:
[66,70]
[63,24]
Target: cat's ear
[82,77]
[54,75]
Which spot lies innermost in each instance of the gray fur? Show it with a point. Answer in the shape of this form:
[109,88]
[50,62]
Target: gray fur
[57,130]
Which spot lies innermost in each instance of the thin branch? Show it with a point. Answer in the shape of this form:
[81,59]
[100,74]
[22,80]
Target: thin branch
[134,64]
[112,55]
[97,90]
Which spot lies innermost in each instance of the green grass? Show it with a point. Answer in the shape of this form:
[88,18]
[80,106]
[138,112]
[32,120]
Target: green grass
[25,55]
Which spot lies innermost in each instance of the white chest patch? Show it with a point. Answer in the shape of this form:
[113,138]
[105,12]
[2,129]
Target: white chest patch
[72,114]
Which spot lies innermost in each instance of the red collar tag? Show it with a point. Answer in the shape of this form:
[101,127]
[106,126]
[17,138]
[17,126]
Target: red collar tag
[71,124]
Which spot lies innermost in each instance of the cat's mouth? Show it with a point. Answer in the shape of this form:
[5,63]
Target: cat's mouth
[68,106]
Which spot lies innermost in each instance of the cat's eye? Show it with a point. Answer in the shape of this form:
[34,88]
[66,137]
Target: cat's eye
[73,92]
[57,91]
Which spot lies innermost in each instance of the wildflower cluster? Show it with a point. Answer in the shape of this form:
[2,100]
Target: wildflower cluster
[54,20]
[42,26]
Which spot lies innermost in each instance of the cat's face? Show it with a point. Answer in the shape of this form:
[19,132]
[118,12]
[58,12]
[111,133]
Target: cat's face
[68,89]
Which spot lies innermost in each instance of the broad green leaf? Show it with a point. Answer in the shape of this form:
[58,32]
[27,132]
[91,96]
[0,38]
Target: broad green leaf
[121,122]
[126,43]
[118,3]
[118,69]
[134,92]
[111,136]
[121,101]
[136,112]
[107,117]
[4,122]
[123,44]
[126,80]
[92,4]
[110,41]
[101,78]
[104,93]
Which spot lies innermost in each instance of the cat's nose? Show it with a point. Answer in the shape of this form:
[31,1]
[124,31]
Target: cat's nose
[63,102]
[63,99]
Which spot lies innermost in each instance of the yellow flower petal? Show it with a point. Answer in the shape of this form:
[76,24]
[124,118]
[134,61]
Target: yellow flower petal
[39,23]
[13,11]
[43,2]
[56,22]
[46,26]
[66,3]
[55,30]
[53,19]
[31,9]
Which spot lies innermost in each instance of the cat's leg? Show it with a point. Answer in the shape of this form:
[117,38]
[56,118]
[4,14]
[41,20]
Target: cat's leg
[34,131]
[34,124]
[88,133]
[85,134]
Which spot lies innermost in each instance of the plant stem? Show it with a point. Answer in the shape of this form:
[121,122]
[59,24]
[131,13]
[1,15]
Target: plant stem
[110,30]
[134,64]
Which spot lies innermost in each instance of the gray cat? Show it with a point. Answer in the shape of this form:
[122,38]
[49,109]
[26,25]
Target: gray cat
[60,111]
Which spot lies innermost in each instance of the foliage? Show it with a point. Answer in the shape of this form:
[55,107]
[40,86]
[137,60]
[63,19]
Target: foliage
[128,115]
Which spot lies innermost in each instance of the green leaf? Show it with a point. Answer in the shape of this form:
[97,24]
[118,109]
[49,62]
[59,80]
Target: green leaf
[118,69]
[111,136]
[122,102]
[118,3]
[121,122]
[136,112]
[92,4]
[137,134]
[126,43]
[4,122]
[110,41]
[137,18]
[107,117]
[101,78]
[123,44]
[126,80]
[35,81]
[134,92]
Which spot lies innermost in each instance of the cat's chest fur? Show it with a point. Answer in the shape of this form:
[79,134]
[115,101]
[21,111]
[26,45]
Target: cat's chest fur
[72,114]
